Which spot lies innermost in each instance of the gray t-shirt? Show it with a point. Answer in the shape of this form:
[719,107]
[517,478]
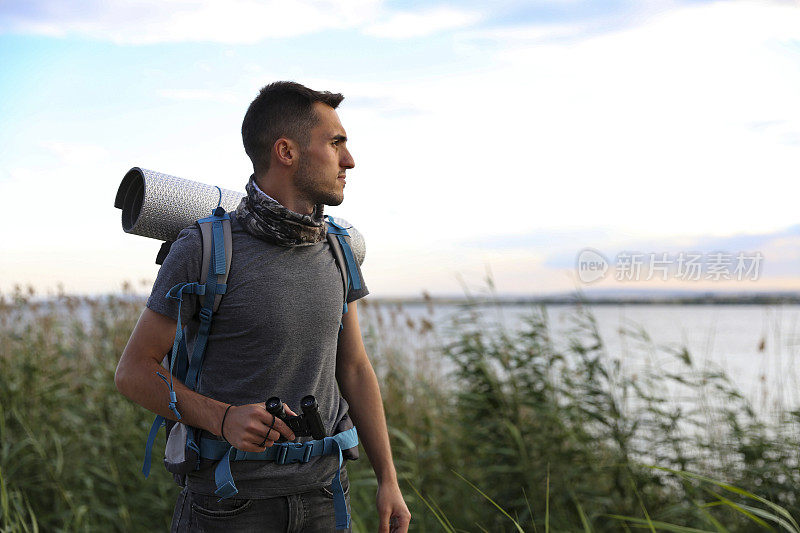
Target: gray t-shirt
[275,334]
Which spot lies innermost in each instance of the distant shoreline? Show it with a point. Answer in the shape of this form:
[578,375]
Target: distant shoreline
[483,299]
[572,299]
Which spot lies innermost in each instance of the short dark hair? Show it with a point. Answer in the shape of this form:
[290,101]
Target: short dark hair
[281,109]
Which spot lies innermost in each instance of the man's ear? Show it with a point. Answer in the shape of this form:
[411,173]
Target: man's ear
[286,152]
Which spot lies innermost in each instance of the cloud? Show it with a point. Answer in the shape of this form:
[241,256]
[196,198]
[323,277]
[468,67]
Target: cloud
[228,21]
[546,261]
[782,131]
[646,128]
[541,239]
[387,106]
[421,23]
[199,95]
[506,36]
[74,153]
[156,21]
[780,249]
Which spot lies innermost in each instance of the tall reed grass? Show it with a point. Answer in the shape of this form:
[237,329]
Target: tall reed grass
[552,430]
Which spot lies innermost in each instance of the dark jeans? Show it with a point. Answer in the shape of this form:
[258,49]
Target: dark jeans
[309,512]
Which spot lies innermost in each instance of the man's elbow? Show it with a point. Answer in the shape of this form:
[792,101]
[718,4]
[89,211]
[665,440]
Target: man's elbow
[121,376]
[124,376]
[354,371]
[152,334]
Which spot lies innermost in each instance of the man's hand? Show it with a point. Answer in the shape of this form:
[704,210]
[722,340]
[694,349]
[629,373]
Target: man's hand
[392,509]
[247,427]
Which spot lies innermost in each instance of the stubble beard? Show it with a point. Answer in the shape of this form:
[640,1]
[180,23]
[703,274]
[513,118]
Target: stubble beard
[310,182]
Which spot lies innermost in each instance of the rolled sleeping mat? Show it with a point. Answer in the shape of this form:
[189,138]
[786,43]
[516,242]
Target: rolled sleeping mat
[159,206]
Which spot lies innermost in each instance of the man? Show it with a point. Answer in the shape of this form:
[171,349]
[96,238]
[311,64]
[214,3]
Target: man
[276,332]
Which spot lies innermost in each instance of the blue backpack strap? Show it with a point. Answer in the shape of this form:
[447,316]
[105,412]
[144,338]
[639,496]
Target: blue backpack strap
[217,242]
[339,241]
[338,256]
[176,293]
[217,252]
[344,239]
[148,448]
[340,442]
[216,233]
[177,357]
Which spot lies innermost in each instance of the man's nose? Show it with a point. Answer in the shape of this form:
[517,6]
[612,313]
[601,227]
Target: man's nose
[347,160]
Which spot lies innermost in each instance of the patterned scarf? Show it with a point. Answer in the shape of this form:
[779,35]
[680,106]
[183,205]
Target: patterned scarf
[268,220]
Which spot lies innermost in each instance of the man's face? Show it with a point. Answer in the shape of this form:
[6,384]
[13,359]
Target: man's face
[320,173]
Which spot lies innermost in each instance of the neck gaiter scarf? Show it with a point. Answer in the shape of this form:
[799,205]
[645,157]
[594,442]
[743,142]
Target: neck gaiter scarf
[268,220]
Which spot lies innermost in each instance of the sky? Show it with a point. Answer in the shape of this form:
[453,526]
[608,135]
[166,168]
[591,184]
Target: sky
[495,140]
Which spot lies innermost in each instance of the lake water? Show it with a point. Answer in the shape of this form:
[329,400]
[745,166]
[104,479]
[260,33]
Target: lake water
[756,345]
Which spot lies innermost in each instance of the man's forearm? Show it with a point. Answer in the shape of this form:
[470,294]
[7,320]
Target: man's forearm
[141,384]
[359,387]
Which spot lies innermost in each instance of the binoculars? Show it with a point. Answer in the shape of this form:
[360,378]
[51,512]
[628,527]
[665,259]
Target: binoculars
[307,424]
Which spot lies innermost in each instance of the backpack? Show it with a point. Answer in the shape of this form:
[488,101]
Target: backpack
[185,448]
